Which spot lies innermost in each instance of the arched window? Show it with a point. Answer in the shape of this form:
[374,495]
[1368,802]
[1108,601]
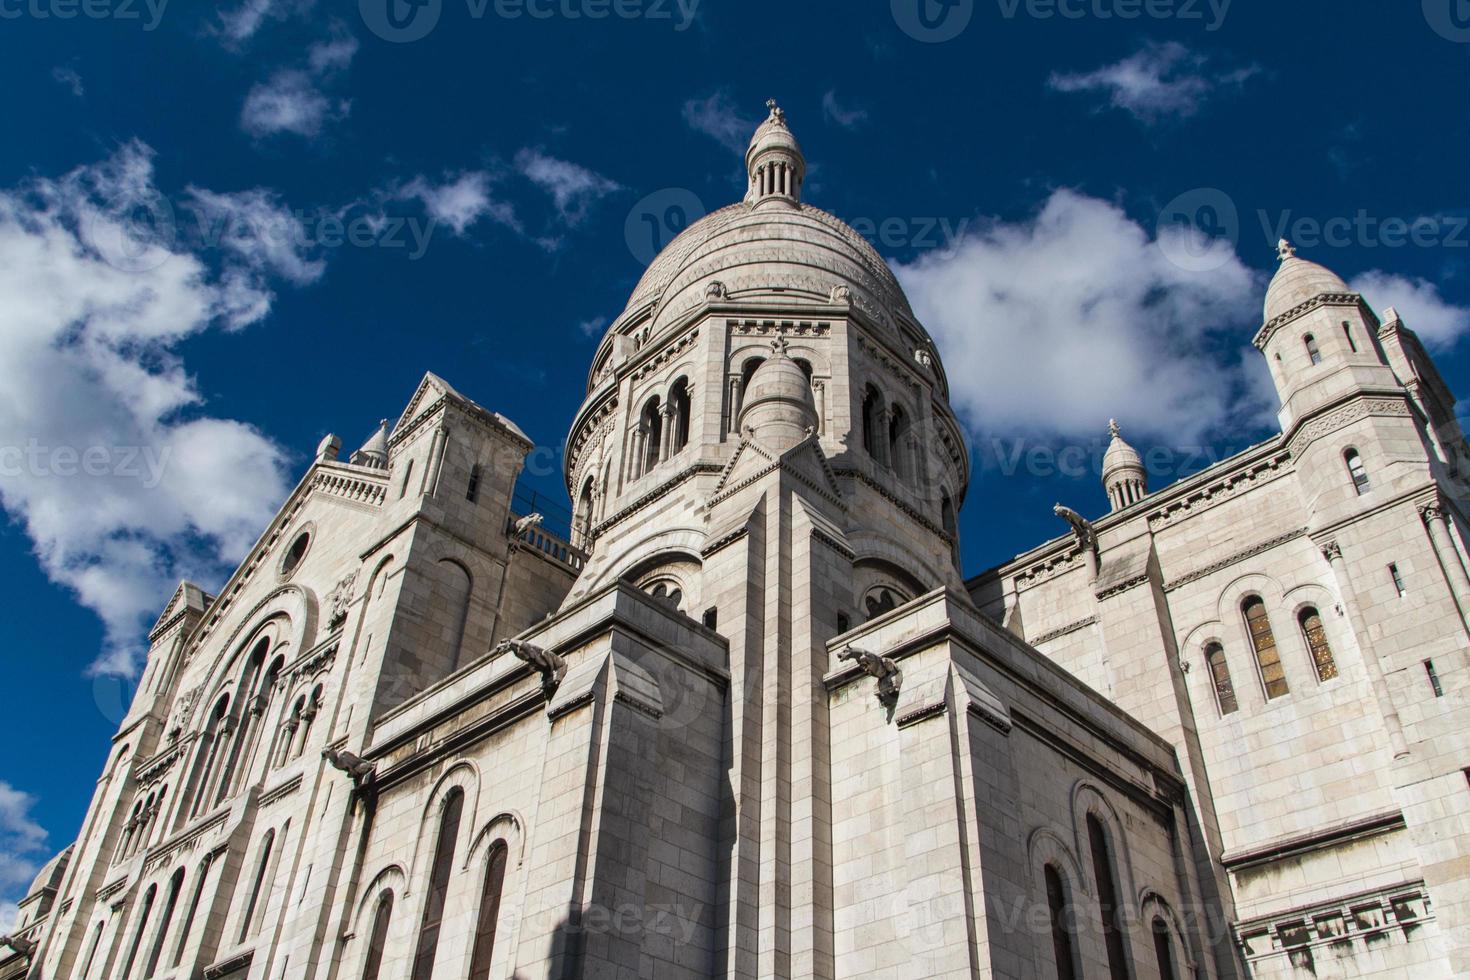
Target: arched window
[874,438]
[130,830]
[472,489]
[209,753]
[489,913]
[1316,637]
[262,867]
[898,443]
[457,588]
[668,592]
[428,943]
[188,924]
[1263,641]
[407,475]
[255,714]
[582,526]
[378,939]
[143,917]
[1163,948]
[881,600]
[1347,331]
[679,402]
[747,371]
[175,885]
[950,524]
[650,432]
[1358,471]
[86,971]
[1107,898]
[1061,925]
[1220,678]
[1313,351]
[308,716]
[287,736]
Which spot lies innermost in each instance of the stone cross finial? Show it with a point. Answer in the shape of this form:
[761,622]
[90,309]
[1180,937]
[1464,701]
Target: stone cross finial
[1114,429]
[777,113]
[1285,250]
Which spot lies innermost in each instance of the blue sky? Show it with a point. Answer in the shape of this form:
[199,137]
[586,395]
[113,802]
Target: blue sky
[1081,196]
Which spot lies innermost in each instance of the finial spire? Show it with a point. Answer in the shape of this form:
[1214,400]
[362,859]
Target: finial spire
[778,114]
[1114,429]
[1285,250]
[775,162]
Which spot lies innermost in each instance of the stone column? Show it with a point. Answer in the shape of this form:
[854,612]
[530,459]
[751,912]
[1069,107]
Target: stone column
[666,438]
[1332,551]
[1437,518]
[436,459]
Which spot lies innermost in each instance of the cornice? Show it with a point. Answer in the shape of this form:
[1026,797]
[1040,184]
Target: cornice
[1199,573]
[1057,634]
[1268,330]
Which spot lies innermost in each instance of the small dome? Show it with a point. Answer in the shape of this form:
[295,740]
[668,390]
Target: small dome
[1299,281]
[374,452]
[1124,476]
[775,163]
[778,404]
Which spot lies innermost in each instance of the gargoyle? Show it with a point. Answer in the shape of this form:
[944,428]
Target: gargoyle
[526,524]
[22,946]
[359,770]
[1081,527]
[552,667]
[883,668]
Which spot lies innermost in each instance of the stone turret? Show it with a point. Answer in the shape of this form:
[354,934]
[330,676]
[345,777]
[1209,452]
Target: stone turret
[775,162]
[1124,475]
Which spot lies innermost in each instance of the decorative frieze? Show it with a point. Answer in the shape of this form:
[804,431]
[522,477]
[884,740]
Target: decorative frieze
[1067,630]
[1229,560]
[1228,487]
[1359,408]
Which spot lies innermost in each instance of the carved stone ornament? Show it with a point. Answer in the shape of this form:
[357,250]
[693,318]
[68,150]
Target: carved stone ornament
[885,669]
[339,600]
[551,667]
[183,711]
[715,290]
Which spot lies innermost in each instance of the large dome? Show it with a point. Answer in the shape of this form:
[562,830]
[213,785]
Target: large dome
[749,250]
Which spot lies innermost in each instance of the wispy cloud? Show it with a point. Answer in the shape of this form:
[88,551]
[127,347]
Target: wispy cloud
[67,76]
[459,200]
[120,480]
[845,117]
[719,118]
[1160,81]
[22,849]
[593,327]
[1438,322]
[573,188]
[239,24]
[294,100]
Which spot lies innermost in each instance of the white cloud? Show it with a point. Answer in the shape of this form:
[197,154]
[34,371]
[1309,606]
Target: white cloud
[459,201]
[593,327]
[1159,81]
[573,188]
[22,850]
[718,117]
[240,24]
[1105,324]
[67,76]
[842,116]
[294,100]
[1439,323]
[121,482]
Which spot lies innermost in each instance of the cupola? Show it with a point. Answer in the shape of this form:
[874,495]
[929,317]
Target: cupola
[775,163]
[1124,475]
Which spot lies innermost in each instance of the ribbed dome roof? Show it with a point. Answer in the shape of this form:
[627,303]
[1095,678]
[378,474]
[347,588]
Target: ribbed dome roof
[1299,281]
[799,250]
[1120,456]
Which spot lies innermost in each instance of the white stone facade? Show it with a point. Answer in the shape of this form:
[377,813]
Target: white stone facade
[749,721]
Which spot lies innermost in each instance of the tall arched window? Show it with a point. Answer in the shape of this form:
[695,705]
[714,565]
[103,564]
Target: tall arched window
[438,889]
[246,710]
[679,402]
[175,885]
[255,714]
[1220,678]
[1061,925]
[874,438]
[262,868]
[1358,471]
[1163,948]
[194,899]
[143,917]
[378,939]
[472,489]
[489,913]
[747,371]
[950,524]
[86,970]
[650,431]
[457,588]
[1347,331]
[407,475]
[898,443]
[1263,641]
[582,525]
[1313,351]
[1107,898]
[1316,636]
[209,753]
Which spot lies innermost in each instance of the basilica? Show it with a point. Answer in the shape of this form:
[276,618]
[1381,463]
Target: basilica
[747,717]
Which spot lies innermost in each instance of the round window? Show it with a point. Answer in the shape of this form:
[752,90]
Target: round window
[296,552]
